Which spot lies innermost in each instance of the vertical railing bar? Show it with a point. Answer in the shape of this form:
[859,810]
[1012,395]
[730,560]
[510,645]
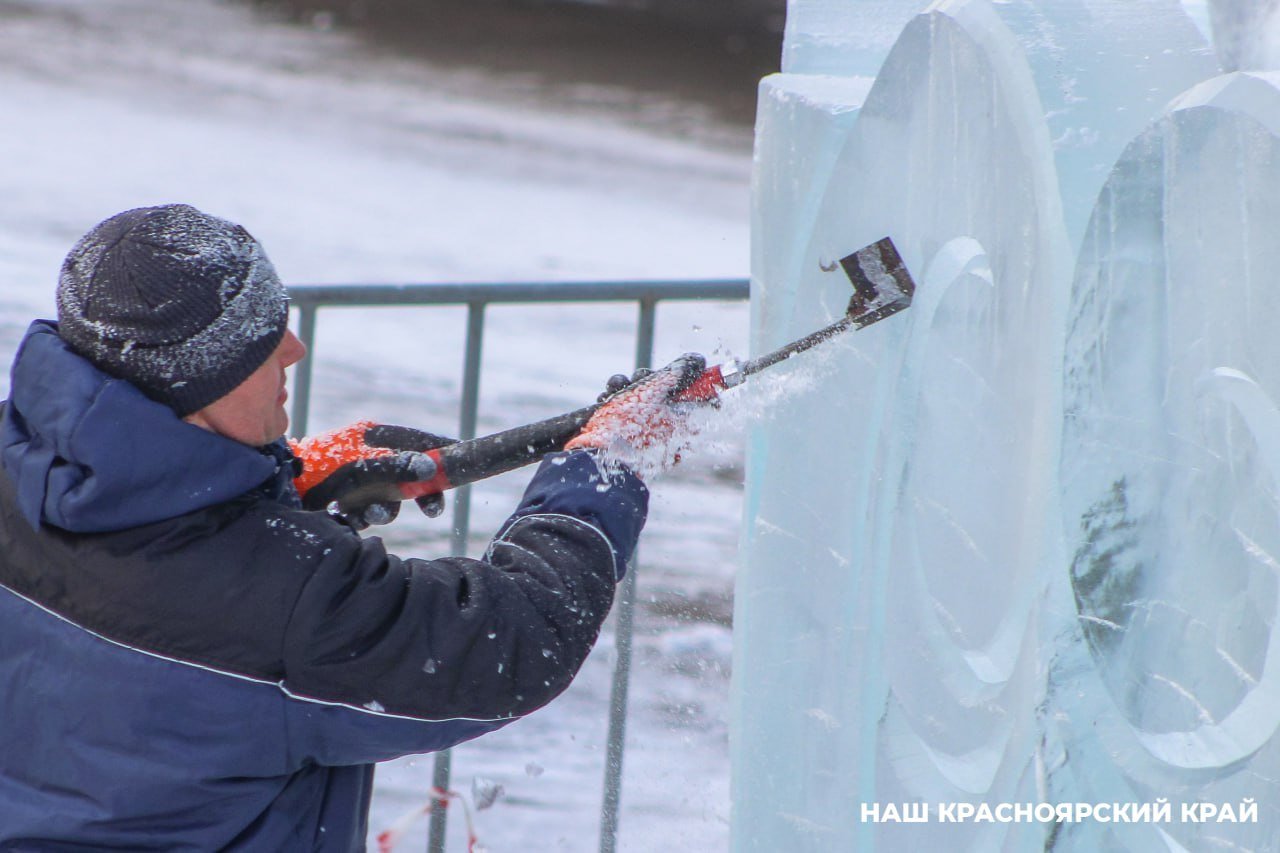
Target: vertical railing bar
[611,804]
[644,332]
[441,770]
[301,409]
[467,420]
[623,632]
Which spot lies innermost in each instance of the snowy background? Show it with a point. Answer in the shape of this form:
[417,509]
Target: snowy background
[352,164]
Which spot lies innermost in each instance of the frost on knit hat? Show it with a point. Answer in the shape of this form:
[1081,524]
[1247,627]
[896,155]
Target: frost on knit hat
[181,304]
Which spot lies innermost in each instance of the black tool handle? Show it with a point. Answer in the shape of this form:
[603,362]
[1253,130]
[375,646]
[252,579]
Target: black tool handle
[465,462]
[478,458]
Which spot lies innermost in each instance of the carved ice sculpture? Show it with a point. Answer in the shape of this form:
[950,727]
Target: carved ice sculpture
[1170,472]
[1020,544]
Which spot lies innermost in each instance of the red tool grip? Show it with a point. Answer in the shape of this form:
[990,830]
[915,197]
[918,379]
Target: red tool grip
[438,483]
[705,388]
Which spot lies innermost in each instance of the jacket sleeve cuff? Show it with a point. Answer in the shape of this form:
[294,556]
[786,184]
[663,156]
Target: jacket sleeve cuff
[610,497]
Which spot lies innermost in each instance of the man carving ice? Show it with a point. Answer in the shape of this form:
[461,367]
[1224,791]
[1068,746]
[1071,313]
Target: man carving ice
[189,659]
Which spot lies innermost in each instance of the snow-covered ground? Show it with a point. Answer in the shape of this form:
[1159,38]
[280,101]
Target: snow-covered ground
[354,166]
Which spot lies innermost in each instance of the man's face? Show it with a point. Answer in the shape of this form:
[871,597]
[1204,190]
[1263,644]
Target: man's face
[253,412]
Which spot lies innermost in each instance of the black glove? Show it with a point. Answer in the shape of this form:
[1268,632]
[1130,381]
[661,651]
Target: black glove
[618,381]
[356,471]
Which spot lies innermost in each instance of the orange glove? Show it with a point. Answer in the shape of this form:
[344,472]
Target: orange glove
[360,468]
[643,415]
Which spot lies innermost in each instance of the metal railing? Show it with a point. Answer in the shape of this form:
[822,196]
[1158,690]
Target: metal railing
[308,299]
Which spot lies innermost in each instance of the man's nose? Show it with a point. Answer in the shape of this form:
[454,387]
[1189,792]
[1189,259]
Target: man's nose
[292,350]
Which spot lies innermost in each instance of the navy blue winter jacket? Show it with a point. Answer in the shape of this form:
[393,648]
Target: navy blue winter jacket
[188,661]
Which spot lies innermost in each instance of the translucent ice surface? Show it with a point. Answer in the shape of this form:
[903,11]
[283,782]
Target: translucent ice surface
[1103,70]
[1020,543]
[843,37]
[1246,33]
[1171,460]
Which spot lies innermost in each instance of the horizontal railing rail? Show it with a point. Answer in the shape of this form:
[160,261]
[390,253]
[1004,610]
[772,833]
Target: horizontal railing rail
[309,299]
[729,289]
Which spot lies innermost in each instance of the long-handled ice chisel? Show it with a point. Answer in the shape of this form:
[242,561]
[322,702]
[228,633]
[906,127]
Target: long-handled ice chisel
[881,288]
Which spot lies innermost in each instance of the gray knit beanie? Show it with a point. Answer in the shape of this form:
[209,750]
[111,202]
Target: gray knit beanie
[181,304]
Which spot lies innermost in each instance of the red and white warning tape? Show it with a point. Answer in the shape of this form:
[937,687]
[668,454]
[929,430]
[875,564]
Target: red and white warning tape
[390,837]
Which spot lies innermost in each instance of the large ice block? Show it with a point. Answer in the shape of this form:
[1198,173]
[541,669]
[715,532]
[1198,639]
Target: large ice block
[801,128]
[868,670]
[1170,473]
[912,623]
